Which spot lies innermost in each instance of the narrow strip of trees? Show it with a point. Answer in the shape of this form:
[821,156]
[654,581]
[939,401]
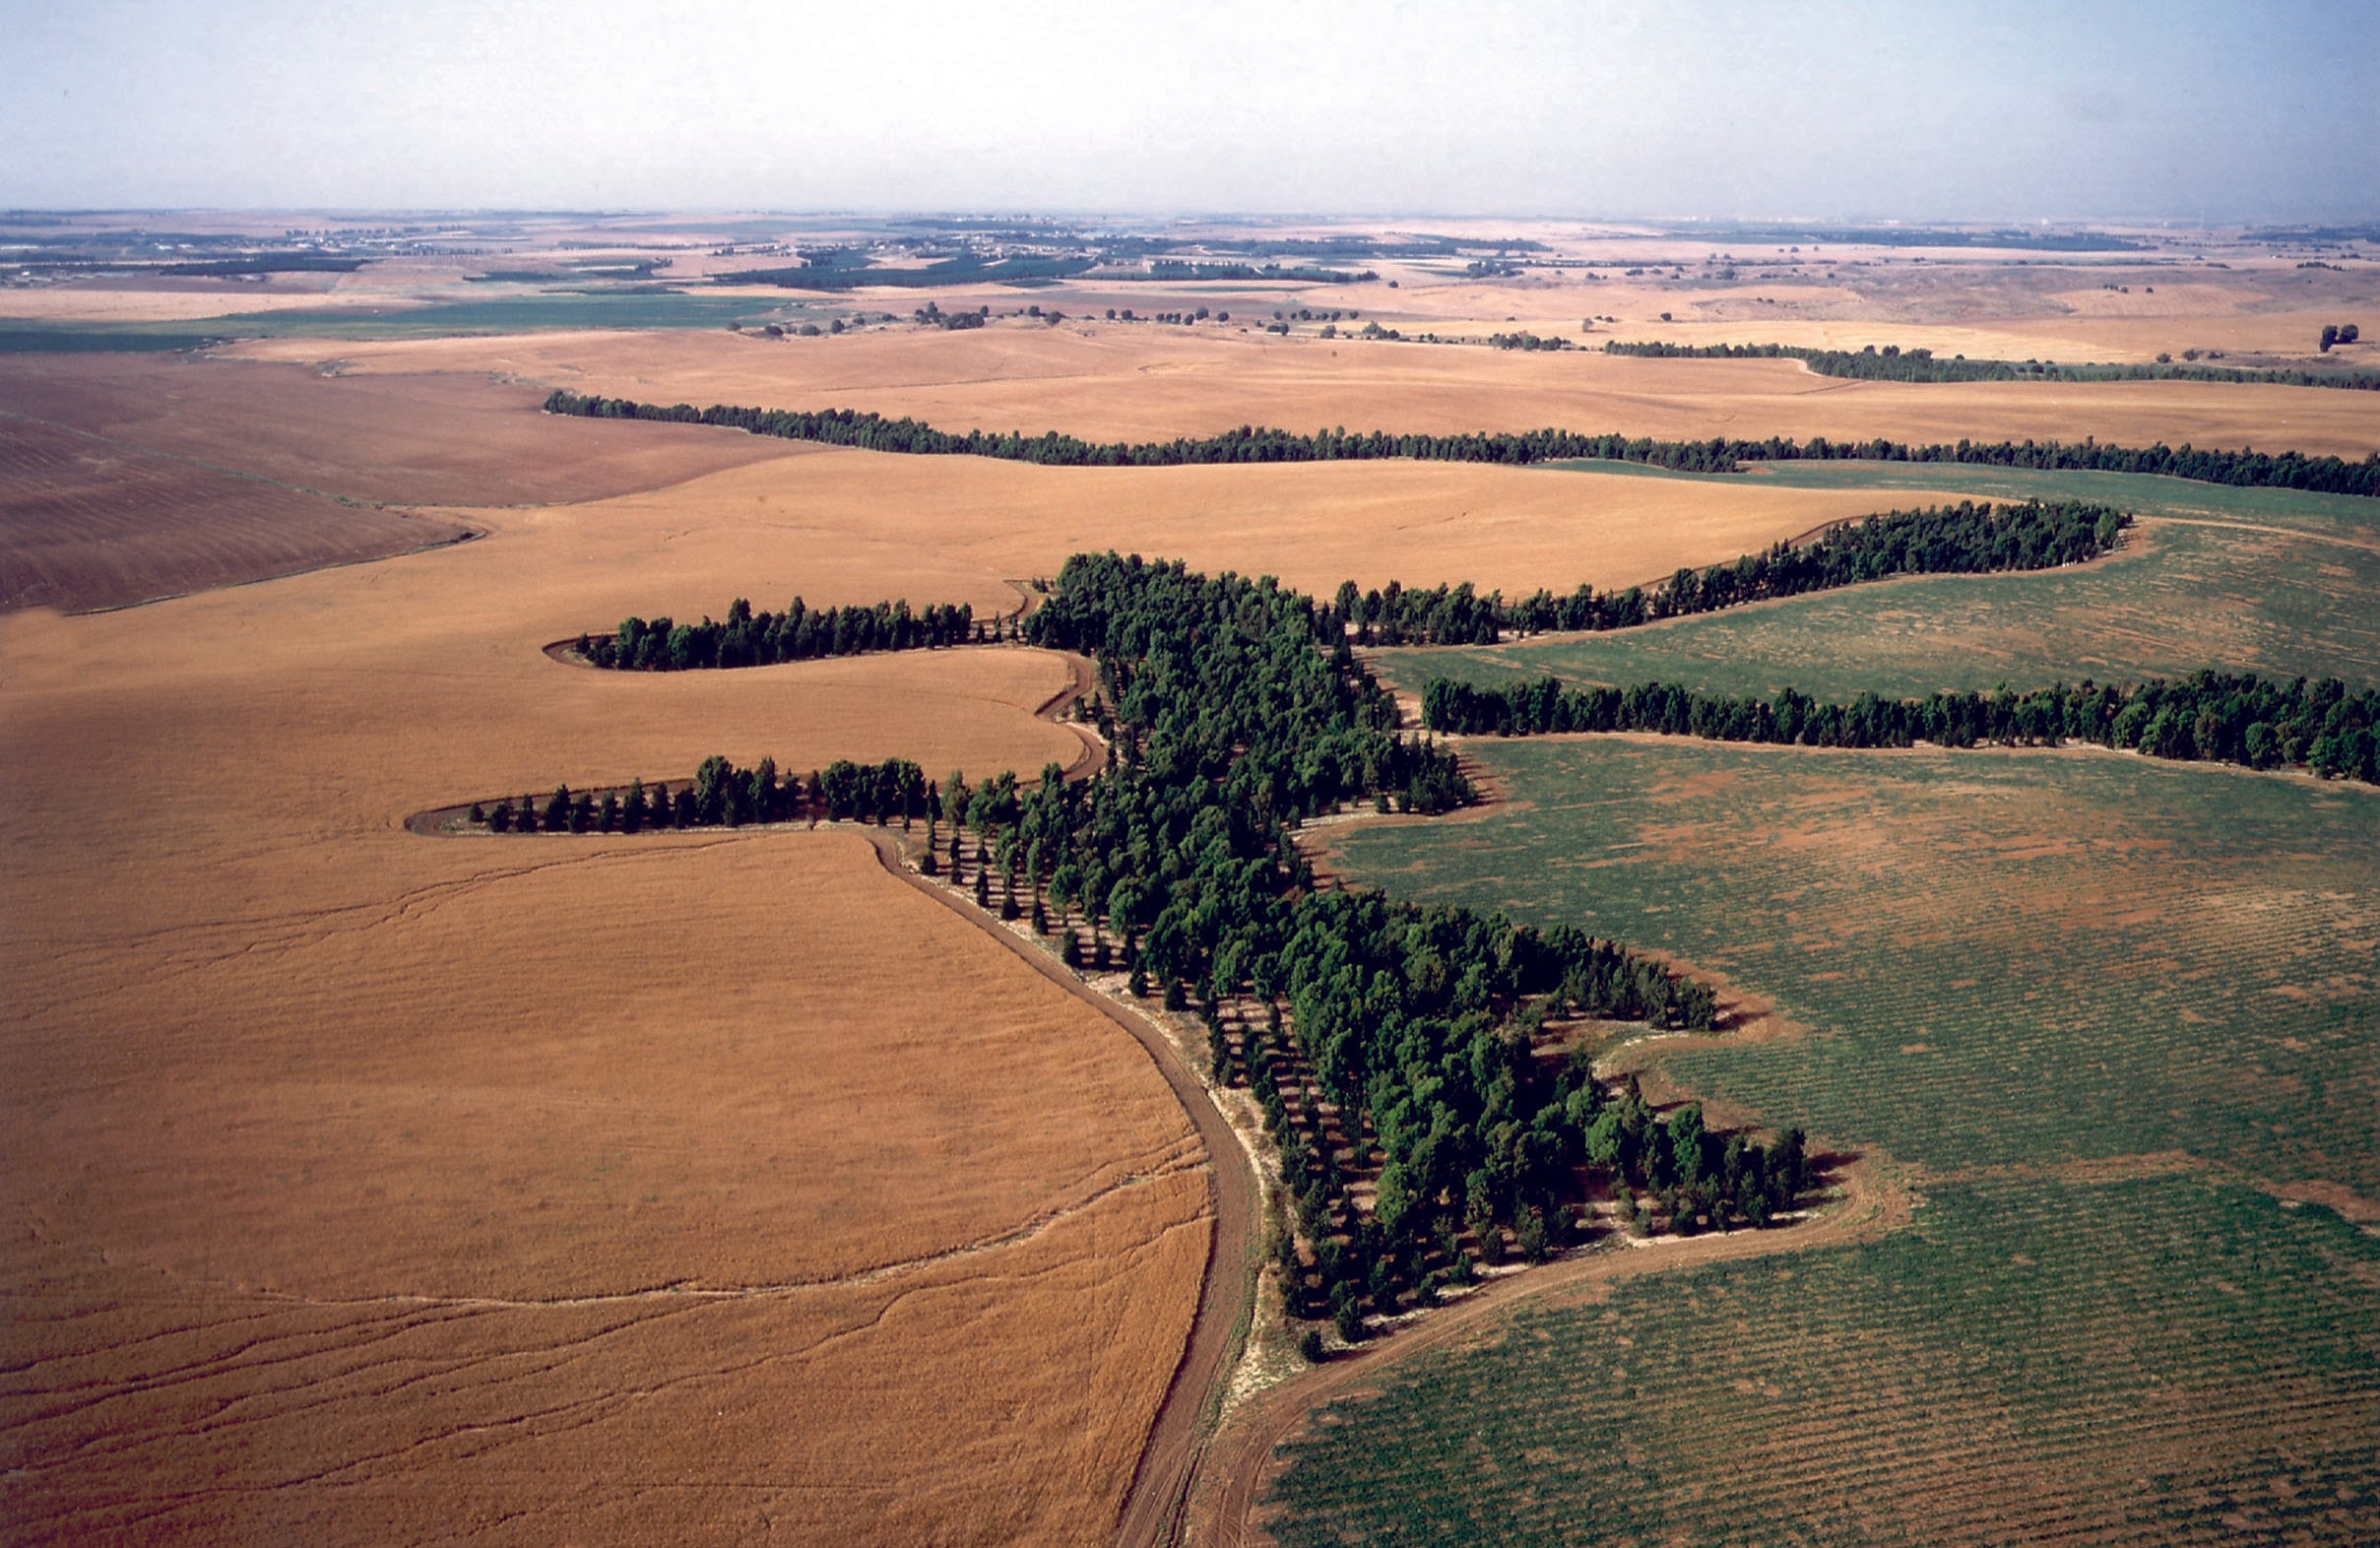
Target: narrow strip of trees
[1252,444]
[1962,539]
[800,633]
[721,794]
[1892,363]
[2212,716]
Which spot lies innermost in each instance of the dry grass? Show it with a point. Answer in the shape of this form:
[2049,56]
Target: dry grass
[355,1180]
[1145,382]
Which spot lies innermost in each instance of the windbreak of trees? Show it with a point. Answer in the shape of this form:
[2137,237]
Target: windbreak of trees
[1962,539]
[1252,444]
[721,794]
[759,639]
[1414,1028]
[1892,363]
[2212,716]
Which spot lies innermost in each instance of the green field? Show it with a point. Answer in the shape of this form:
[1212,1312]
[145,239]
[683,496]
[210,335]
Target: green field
[2018,1364]
[2180,596]
[2336,515]
[2089,1003]
[640,307]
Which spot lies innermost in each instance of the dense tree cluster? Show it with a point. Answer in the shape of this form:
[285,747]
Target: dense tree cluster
[1892,363]
[1252,444]
[1967,537]
[1410,1040]
[759,639]
[2225,717]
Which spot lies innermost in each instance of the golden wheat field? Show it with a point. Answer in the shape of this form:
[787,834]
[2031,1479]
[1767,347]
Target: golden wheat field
[361,1178]
[1135,382]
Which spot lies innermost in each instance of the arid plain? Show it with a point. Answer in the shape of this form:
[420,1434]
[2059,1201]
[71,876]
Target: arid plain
[362,1185]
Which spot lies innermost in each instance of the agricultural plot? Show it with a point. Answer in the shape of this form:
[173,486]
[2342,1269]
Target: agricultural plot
[2021,1362]
[85,524]
[2093,1005]
[2273,581]
[1135,382]
[2181,595]
[361,1184]
[406,440]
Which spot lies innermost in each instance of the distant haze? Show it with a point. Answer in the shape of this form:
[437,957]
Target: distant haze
[1991,111]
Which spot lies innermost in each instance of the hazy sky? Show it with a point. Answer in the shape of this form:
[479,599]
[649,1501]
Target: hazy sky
[1996,110]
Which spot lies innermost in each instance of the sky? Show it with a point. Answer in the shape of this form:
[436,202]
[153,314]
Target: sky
[1828,109]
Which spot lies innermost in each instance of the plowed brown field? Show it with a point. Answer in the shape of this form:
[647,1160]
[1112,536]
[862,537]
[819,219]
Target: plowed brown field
[463,439]
[1151,381]
[87,524]
[361,1186]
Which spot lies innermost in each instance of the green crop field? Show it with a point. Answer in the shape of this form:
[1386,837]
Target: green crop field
[2183,594]
[2027,979]
[2336,514]
[568,309]
[2145,1361]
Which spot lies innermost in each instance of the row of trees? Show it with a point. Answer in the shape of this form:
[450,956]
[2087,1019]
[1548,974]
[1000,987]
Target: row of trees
[1962,539]
[800,633]
[1719,454]
[1892,363]
[721,794]
[2214,716]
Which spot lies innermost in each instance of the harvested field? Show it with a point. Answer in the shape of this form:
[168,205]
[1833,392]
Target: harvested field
[1111,383]
[682,1234]
[357,1180]
[85,524]
[934,528]
[462,439]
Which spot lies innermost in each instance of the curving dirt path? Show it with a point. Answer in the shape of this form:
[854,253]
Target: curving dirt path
[1154,1508]
[1243,1458]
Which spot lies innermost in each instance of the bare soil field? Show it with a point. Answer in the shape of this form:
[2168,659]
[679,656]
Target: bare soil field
[466,438]
[362,1186]
[86,523]
[1147,382]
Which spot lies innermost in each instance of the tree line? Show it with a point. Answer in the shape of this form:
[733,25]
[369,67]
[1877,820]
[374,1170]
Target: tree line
[721,794]
[800,633]
[1968,538]
[1892,363]
[1252,444]
[2211,715]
